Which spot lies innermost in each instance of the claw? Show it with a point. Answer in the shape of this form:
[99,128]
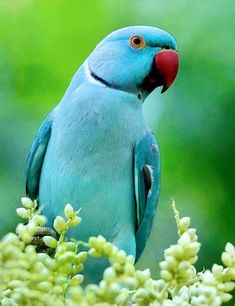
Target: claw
[38,239]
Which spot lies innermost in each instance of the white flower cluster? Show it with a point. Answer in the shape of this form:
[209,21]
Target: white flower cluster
[185,285]
[34,220]
[29,276]
[32,278]
[213,286]
[177,269]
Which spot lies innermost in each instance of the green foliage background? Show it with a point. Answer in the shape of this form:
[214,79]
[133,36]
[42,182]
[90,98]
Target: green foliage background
[42,43]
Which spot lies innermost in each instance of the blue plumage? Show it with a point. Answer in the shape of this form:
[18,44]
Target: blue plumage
[95,151]
[147,184]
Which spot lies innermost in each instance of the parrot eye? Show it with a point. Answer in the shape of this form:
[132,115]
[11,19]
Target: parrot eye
[137,42]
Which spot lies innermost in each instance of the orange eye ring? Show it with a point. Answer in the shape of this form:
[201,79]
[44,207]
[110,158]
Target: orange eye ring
[137,42]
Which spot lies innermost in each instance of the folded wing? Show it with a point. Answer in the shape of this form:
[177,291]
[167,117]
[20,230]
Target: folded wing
[147,184]
[36,157]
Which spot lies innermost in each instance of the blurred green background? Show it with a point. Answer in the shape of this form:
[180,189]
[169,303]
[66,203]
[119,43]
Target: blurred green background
[42,43]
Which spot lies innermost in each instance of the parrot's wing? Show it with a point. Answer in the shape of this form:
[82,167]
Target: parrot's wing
[36,157]
[147,184]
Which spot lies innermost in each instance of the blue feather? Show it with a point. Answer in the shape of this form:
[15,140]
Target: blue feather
[36,157]
[147,185]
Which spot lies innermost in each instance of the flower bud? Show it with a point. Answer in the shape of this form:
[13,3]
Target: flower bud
[75,221]
[60,224]
[192,233]
[61,280]
[142,276]
[70,246]
[23,213]
[229,248]
[58,290]
[108,248]
[184,293]
[170,261]
[31,227]
[23,233]
[166,275]
[217,270]
[66,257]
[66,268]
[77,268]
[129,269]
[193,248]
[193,259]
[184,265]
[159,284]
[226,259]
[184,239]
[76,280]
[101,239]
[176,251]
[122,298]
[44,286]
[94,253]
[81,257]
[93,242]
[50,241]
[184,223]
[39,220]
[109,273]
[164,265]
[76,294]
[121,256]
[142,293]
[130,259]
[10,238]
[229,286]
[68,211]
[27,203]
[226,297]
[208,278]
[132,283]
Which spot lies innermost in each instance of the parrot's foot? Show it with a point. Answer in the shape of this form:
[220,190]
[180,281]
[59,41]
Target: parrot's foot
[38,239]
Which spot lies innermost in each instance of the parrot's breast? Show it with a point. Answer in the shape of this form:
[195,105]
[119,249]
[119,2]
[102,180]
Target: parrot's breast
[89,163]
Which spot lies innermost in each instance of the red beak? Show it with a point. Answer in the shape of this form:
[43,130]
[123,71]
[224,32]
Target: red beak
[167,64]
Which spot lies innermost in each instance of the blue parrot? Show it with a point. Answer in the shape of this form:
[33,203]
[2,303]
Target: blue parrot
[95,150]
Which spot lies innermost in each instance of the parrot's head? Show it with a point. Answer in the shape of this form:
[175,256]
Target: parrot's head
[135,59]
